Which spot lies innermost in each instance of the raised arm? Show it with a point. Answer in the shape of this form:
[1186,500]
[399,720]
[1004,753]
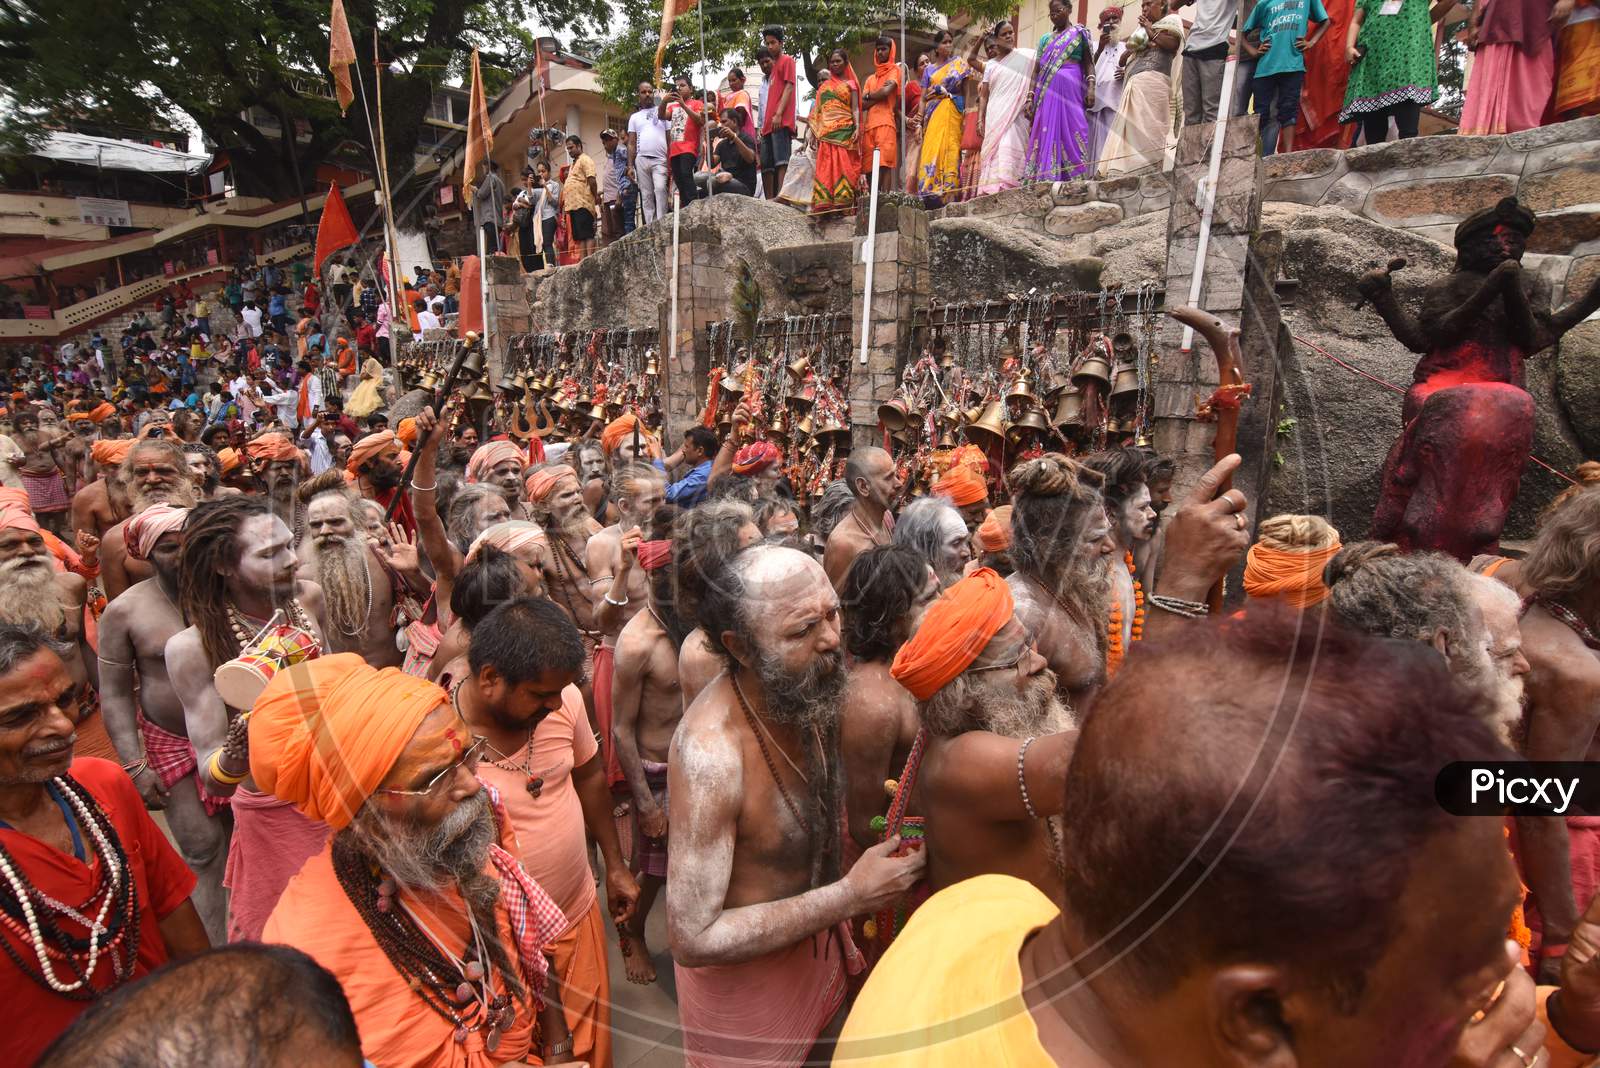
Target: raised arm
[1578,310]
[1377,285]
[424,503]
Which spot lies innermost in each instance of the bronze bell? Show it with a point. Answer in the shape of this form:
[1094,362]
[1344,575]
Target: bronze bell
[798,368]
[779,429]
[1125,379]
[506,383]
[651,365]
[1032,421]
[831,428]
[520,382]
[1095,364]
[479,394]
[731,383]
[472,366]
[804,426]
[1022,389]
[804,397]
[1069,410]
[894,414]
[991,425]
[597,412]
[429,380]
[947,360]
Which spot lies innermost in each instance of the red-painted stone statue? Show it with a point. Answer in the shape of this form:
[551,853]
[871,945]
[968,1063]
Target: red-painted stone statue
[1452,475]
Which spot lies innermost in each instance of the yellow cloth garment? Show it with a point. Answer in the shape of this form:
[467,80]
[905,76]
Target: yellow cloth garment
[948,994]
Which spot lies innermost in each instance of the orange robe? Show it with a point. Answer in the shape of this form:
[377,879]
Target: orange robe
[397,1029]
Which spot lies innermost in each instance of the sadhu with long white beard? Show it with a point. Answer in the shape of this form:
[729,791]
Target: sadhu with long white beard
[155,472]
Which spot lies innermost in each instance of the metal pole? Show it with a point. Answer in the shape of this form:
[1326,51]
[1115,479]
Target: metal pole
[869,254]
[483,289]
[389,242]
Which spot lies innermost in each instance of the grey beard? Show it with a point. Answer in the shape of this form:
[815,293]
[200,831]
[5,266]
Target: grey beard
[1086,588]
[454,852]
[28,593]
[1503,696]
[807,698]
[1035,711]
[346,583]
[179,495]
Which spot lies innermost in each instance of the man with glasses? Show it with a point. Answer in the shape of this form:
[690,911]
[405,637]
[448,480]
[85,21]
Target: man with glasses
[521,695]
[410,904]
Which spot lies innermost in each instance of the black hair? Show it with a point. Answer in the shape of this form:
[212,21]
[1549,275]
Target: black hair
[490,579]
[525,640]
[704,438]
[772,31]
[247,1005]
[1123,470]
[878,592]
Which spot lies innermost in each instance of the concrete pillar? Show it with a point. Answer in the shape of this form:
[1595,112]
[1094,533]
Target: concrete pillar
[508,306]
[900,285]
[705,281]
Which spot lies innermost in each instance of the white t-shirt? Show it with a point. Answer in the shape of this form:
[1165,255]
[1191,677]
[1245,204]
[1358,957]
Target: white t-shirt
[426,320]
[1213,21]
[251,317]
[651,132]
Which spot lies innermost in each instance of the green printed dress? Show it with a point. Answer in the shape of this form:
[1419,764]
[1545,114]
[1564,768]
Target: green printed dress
[1399,65]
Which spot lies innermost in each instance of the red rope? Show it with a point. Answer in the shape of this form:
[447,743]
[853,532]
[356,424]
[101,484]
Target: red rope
[1319,350]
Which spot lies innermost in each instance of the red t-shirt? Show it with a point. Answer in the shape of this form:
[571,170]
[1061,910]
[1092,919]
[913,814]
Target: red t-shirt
[782,75]
[683,128]
[163,881]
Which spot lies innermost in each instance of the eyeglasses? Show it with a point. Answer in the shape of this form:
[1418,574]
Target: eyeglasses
[1022,654]
[469,758]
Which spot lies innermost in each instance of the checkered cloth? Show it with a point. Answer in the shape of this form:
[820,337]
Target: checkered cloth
[650,854]
[47,493]
[171,757]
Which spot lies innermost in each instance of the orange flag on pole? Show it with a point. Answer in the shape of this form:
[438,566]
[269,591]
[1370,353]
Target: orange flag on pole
[480,138]
[341,53]
[670,9]
[335,230]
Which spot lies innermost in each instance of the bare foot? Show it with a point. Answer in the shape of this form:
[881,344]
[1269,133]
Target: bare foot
[636,957]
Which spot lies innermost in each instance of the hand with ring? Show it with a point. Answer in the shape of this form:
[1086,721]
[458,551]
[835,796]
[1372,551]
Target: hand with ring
[1506,1031]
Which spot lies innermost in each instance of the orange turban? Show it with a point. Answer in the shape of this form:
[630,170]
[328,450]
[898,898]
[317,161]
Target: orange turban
[406,432]
[78,417]
[374,444]
[229,459]
[111,453]
[970,456]
[541,482]
[953,632]
[325,732]
[1294,576]
[145,529]
[994,534]
[487,455]
[272,448]
[16,510]
[511,536]
[101,412]
[962,485]
[620,429]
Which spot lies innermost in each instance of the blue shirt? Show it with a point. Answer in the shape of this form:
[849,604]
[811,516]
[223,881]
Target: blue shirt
[1282,22]
[690,490]
[278,305]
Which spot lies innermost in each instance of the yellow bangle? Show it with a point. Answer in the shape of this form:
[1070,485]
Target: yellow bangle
[214,769]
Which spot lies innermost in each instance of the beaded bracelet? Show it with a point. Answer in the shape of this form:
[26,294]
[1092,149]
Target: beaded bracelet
[1022,782]
[1179,607]
[214,769]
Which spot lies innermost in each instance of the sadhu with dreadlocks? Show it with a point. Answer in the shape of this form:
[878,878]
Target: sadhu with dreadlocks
[237,574]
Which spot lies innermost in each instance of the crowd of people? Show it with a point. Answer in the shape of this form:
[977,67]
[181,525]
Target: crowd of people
[431,711]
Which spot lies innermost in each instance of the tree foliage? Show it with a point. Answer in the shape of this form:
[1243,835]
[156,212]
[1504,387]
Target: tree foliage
[135,64]
[733,33]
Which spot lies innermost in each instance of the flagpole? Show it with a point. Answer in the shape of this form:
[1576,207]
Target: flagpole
[391,243]
[705,129]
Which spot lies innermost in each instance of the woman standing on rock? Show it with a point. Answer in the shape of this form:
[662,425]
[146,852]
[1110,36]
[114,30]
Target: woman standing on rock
[939,173]
[1393,73]
[1060,95]
[836,122]
[1139,133]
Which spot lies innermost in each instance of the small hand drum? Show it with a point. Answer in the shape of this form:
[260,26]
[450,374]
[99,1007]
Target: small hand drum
[241,680]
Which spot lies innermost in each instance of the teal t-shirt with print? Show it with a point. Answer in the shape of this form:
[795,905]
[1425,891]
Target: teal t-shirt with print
[1282,22]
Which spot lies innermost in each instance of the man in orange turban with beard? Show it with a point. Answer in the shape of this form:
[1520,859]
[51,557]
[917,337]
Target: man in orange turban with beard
[499,464]
[378,468]
[998,737]
[963,486]
[618,438]
[413,897]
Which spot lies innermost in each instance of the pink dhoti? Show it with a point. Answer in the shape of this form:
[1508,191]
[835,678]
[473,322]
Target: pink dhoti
[1509,89]
[768,1011]
[1583,849]
[605,658]
[171,757]
[271,843]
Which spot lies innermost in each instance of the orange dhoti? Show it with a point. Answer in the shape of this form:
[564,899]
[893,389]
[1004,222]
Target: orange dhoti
[1583,849]
[585,978]
[767,1011]
[605,658]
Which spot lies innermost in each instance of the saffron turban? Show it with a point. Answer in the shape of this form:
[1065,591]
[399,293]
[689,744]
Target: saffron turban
[78,417]
[755,458]
[488,455]
[272,448]
[962,485]
[369,447]
[512,537]
[970,456]
[654,555]
[1294,576]
[994,533]
[325,732]
[542,481]
[145,529]
[111,453]
[101,412]
[229,459]
[406,432]
[620,429]
[954,631]
[16,511]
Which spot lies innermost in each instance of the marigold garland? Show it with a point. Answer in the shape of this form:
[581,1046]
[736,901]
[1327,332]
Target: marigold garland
[1114,647]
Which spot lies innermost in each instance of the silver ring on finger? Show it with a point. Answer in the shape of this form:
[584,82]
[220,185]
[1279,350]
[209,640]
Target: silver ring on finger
[1240,517]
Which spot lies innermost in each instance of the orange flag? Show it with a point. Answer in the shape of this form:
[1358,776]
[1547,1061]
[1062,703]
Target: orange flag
[480,139]
[341,53]
[335,230]
[670,9]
